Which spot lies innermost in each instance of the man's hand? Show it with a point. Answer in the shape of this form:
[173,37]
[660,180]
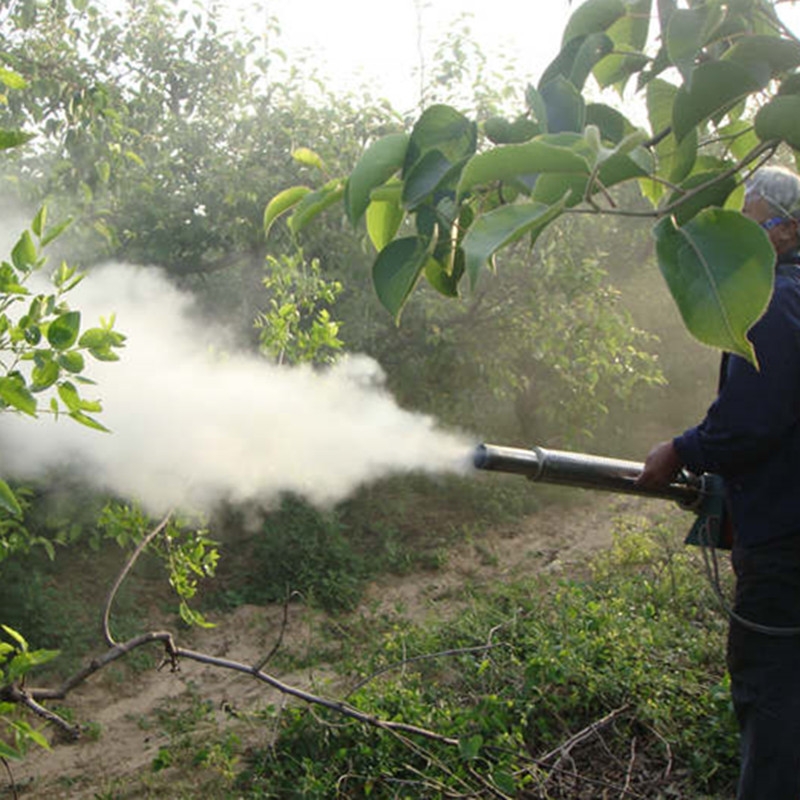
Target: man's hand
[661,467]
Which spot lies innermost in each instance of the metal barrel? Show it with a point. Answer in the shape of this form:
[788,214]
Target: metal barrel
[584,471]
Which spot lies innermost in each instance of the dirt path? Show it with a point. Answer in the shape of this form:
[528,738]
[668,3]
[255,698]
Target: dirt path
[128,716]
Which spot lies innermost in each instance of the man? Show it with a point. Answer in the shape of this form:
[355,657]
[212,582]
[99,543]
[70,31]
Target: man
[751,437]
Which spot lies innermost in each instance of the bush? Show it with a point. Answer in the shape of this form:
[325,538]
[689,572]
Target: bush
[630,657]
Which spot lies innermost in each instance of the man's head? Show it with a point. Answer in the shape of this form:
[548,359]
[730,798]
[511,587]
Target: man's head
[772,195]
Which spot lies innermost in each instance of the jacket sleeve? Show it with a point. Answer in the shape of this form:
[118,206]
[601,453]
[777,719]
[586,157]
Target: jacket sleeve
[755,408]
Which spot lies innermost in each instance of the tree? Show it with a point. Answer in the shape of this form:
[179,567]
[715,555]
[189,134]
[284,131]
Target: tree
[443,200]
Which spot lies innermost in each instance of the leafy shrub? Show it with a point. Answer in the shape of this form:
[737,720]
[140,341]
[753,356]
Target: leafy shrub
[636,645]
[302,549]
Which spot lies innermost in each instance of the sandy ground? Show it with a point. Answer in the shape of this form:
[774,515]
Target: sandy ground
[122,739]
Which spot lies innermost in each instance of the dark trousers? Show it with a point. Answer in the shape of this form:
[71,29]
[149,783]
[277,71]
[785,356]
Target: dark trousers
[765,670]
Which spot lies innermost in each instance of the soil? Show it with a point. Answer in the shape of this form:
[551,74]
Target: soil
[128,715]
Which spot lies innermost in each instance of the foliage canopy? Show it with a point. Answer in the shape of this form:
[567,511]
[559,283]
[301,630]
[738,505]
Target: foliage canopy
[721,90]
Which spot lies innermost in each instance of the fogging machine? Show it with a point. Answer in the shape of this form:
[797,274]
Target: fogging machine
[699,493]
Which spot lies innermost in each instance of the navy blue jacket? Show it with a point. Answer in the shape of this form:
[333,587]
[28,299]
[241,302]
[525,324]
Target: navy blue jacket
[751,433]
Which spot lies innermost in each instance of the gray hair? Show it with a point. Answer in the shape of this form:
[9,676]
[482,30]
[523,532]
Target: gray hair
[779,186]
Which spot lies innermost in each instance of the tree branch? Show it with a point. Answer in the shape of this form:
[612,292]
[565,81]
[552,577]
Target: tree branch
[124,573]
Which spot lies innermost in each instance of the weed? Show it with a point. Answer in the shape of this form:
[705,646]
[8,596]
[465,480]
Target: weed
[637,639]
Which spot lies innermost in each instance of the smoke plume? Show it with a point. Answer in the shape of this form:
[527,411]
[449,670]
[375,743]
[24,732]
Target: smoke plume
[194,422]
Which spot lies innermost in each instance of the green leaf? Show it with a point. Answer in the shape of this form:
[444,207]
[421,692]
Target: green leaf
[17,637]
[500,131]
[566,110]
[510,161]
[470,747]
[424,177]
[441,128]
[88,421]
[63,331]
[613,125]
[71,361]
[617,67]
[593,49]
[14,392]
[383,219]
[716,85]
[716,194]
[396,271]
[11,79]
[780,119]
[6,751]
[307,157]
[281,203]
[499,228]
[687,32]
[592,16]
[719,268]
[633,29]
[44,376]
[55,232]
[315,203]
[505,782]
[69,396]
[440,279]
[8,500]
[381,160]
[765,56]
[675,161]
[24,254]
[9,139]
[37,226]
[577,59]
[536,105]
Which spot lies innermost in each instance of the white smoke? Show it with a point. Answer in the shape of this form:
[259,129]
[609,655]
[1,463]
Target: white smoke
[194,423]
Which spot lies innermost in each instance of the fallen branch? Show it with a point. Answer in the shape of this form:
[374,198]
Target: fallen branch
[582,735]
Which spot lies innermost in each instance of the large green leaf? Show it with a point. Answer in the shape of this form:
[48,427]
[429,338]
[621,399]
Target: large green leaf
[719,268]
[380,161]
[499,228]
[396,271]
[566,109]
[442,128]
[63,331]
[510,161]
[715,86]
[780,119]
[593,16]
[8,500]
[281,203]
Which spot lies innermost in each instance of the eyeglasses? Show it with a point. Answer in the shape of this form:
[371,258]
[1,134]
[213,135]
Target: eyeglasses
[772,222]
